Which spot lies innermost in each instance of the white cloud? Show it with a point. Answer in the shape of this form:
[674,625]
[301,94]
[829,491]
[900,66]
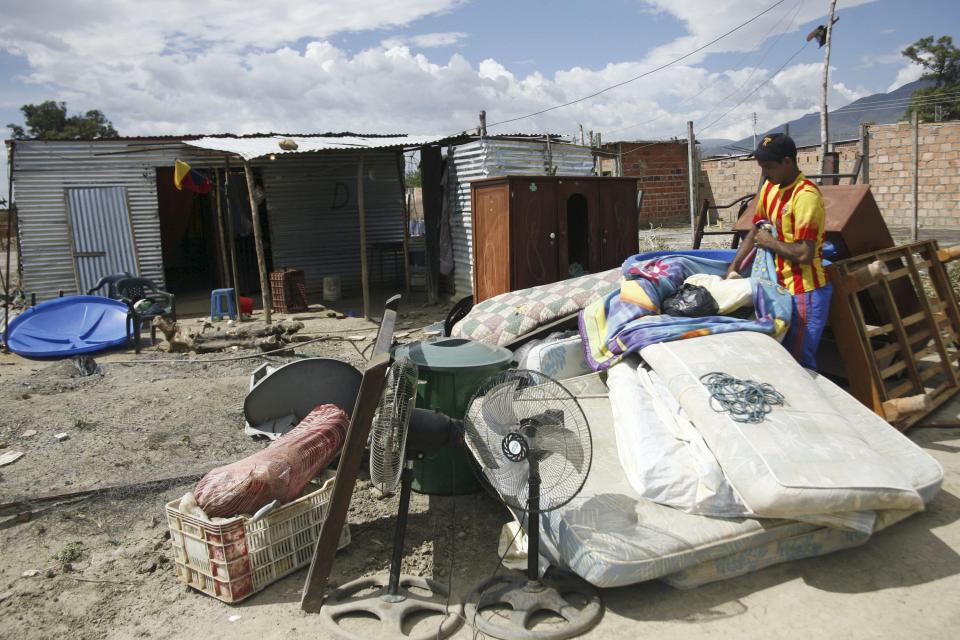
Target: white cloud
[849,94]
[245,66]
[906,75]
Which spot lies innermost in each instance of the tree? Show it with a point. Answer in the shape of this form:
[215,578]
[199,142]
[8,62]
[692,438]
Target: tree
[49,121]
[413,178]
[941,60]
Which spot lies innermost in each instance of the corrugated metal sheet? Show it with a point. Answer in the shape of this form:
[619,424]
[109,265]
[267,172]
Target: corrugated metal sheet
[261,147]
[44,170]
[102,239]
[492,158]
[314,220]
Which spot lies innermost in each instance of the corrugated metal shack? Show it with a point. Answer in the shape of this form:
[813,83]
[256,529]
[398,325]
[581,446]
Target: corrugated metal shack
[494,157]
[116,192]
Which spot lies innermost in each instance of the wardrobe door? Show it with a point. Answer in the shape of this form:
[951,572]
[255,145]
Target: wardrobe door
[619,234]
[534,233]
[491,240]
[578,216]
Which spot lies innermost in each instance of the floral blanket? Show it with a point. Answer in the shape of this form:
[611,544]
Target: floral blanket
[629,319]
[501,319]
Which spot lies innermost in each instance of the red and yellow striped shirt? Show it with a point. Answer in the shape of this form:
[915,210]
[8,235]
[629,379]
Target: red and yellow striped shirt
[796,213]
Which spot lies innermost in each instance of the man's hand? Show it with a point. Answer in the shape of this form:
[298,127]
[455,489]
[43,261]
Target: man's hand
[764,239]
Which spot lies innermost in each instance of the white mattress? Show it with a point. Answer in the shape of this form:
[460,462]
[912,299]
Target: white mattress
[559,359]
[611,536]
[807,457]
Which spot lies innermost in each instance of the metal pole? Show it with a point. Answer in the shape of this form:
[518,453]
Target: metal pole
[265,293]
[865,153]
[364,276]
[231,238]
[824,131]
[691,180]
[915,124]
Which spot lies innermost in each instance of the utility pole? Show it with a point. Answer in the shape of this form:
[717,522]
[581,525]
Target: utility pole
[754,129]
[824,131]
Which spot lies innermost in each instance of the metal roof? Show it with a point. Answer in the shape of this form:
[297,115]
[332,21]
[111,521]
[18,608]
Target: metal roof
[258,147]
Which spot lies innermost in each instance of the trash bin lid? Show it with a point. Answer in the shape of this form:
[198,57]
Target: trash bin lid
[451,354]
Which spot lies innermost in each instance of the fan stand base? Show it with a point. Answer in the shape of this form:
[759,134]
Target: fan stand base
[526,598]
[390,610]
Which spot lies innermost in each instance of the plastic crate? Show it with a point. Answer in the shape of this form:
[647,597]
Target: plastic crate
[289,291]
[234,559]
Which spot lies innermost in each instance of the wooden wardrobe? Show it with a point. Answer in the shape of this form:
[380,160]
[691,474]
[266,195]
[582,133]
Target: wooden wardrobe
[529,230]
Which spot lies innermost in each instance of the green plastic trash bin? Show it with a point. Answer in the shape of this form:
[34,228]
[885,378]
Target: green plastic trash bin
[451,370]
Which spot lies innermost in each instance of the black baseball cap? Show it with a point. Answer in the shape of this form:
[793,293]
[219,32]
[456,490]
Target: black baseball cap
[775,146]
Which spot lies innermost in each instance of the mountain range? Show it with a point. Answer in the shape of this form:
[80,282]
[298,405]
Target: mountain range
[879,108]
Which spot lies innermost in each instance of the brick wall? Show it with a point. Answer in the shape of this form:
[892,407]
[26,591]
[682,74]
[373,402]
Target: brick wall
[661,170]
[891,177]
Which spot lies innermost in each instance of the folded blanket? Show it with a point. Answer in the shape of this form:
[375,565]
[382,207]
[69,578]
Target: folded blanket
[501,319]
[629,319]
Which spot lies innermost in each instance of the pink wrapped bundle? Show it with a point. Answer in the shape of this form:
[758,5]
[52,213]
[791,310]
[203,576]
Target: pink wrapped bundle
[279,472]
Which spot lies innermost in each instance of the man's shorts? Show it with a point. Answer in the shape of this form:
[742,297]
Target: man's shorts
[810,311]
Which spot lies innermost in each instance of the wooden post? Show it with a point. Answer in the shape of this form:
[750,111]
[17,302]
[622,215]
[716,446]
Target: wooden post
[11,216]
[915,125]
[824,131]
[235,280]
[220,230]
[265,293]
[364,276]
[691,178]
[865,153]
[405,217]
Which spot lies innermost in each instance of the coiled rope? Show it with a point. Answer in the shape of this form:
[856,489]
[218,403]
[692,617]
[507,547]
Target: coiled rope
[745,400]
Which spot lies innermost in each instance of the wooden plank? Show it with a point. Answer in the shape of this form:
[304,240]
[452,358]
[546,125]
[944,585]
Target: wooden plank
[893,369]
[899,330]
[231,237]
[361,211]
[221,233]
[371,387]
[938,343]
[265,293]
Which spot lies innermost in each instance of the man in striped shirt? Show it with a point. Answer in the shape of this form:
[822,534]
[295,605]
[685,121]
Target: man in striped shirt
[790,222]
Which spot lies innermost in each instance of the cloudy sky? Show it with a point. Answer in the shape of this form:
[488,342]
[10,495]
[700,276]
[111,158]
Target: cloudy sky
[429,66]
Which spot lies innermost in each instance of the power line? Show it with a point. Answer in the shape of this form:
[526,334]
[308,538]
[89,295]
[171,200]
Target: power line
[757,88]
[719,77]
[642,75]
[753,71]
[897,101]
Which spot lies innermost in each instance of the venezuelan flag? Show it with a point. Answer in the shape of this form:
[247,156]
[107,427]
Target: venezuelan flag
[193,180]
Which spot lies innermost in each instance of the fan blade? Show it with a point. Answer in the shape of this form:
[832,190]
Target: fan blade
[497,408]
[511,482]
[478,445]
[562,442]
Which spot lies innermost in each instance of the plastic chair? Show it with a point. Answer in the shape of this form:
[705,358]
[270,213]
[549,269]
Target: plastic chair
[223,303]
[110,282]
[457,313]
[162,304]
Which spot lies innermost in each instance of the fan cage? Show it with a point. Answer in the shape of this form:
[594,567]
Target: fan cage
[388,435]
[550,419]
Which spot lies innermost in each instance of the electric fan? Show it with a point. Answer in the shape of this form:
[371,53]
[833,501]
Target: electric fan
[533,441]
[394,444]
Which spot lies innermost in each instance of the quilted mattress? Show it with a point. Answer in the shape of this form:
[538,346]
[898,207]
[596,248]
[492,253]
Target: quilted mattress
[611,536]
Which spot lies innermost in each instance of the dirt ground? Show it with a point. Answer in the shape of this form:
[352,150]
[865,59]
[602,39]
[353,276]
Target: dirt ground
[101,568]
[104,563]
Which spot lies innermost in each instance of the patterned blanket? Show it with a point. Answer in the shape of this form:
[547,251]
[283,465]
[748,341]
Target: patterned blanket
[629,319]
[502,318]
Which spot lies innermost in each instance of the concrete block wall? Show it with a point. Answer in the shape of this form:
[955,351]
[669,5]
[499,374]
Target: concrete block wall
[723,180]
[891,173]
[661,171]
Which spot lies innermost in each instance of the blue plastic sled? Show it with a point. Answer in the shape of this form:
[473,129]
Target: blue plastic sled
[68,326]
